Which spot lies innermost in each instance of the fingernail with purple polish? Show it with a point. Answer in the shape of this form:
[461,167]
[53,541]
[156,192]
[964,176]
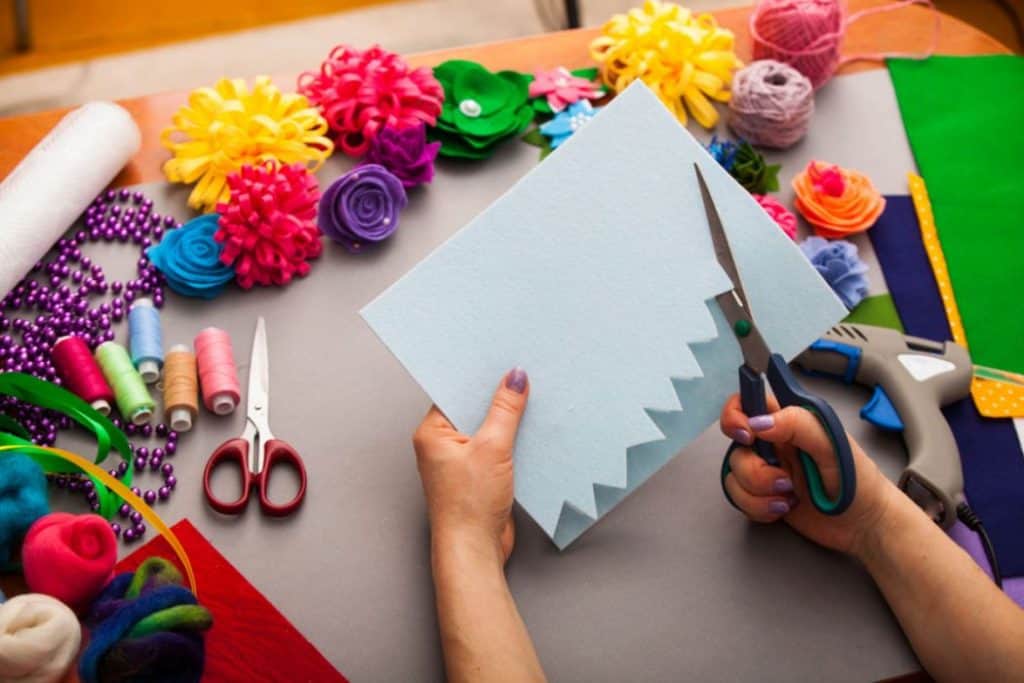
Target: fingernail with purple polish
[783,485]
[742,436]
[516,380]
[760,423]
[777,507]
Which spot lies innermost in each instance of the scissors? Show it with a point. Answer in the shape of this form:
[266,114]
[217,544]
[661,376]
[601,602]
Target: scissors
[256,451]
[758,362]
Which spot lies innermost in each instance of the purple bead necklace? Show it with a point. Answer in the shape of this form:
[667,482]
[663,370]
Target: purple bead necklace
[58,298]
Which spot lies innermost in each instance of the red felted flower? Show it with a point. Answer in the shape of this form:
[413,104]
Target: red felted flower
[268,226]
[361,92]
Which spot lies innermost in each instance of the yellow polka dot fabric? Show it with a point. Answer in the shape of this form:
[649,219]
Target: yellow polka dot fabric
[992,397]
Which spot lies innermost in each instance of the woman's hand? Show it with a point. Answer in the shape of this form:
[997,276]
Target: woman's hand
[468,479]
[766,493]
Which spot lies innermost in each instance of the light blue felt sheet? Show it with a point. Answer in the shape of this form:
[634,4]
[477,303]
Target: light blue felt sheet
[596,274]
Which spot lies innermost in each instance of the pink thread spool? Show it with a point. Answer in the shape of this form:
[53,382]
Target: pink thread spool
[81,373]
[218,375]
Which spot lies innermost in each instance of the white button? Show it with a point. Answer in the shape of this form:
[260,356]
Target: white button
[470,108]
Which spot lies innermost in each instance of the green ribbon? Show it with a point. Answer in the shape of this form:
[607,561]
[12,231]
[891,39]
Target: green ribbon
[47,395]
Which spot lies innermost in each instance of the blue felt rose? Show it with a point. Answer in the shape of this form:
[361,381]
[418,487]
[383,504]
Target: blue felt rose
[189,259]
[837,261]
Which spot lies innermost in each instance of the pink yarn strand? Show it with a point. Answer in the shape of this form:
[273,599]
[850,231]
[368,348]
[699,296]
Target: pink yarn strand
[878,56]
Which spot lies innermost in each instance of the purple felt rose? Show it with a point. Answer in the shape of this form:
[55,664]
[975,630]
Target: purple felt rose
[837,261]
[406,153]
[361,207]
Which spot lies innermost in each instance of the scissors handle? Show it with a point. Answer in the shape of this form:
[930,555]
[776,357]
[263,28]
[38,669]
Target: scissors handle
[276,452]
[234,451]
[789,392]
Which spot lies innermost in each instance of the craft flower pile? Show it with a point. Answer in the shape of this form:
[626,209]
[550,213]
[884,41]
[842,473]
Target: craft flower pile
[837,201]
[561,128]
[229,126]
[268,228]
[361,92]
[838,263]
[685,59]
[779,213]
[481,108]
[362,207]
[556,89]
[406,153]
[189,259]
[752,172]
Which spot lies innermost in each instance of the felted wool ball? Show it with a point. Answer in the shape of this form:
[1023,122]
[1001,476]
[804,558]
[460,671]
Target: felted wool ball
[39,639]
[22,500]
[70,557]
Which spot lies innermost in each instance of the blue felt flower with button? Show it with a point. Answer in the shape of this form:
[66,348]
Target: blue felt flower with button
[838,263]
[568,121]
[189,259]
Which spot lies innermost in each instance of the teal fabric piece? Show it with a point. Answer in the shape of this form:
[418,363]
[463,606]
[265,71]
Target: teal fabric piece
[597,275]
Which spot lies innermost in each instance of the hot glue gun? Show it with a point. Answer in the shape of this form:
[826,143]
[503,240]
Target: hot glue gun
[912,378]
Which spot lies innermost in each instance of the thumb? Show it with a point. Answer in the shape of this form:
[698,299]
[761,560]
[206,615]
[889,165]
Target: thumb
[506,411]
[794,426]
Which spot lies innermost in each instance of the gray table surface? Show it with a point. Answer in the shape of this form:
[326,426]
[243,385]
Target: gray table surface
[672,585]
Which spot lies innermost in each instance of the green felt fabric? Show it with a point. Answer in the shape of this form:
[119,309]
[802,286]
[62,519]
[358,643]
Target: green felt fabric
[964,117]
[876,310]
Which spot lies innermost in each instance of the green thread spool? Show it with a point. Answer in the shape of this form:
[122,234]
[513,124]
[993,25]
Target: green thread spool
[133,399]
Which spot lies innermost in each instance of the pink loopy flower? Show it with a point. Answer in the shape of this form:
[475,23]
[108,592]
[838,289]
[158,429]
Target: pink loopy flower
[268,226]
[562,88]
[361,92]
[779,213]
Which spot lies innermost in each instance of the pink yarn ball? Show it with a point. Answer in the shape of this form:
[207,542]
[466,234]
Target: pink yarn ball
[779,213]
[806,34]
[69,557]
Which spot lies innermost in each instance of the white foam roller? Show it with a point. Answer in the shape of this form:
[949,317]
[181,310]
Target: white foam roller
[51,187]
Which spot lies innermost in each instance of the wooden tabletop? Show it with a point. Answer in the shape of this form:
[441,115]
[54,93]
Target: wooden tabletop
[907,29]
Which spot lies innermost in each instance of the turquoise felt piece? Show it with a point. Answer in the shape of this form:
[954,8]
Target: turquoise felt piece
[596,274]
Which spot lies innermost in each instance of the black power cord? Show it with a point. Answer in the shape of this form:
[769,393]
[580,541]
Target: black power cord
[972,522]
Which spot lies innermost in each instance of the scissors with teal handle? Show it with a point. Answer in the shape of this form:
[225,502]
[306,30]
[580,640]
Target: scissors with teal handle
[759,362]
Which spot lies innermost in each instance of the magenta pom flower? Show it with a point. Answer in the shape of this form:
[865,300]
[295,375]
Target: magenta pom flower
[268,226]
[361,92]
[362,207]
[779,213]
[406,153]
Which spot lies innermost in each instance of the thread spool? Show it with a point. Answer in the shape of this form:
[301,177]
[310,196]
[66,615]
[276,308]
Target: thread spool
[146,339]
[81,373]
[218,375]
[771,104]
[133,399]
[181,388]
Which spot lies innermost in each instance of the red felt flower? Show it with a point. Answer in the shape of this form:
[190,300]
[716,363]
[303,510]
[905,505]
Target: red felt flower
[268,226]
[360,92]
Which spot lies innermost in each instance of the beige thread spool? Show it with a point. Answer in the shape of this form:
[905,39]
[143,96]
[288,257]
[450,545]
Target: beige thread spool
[181,388]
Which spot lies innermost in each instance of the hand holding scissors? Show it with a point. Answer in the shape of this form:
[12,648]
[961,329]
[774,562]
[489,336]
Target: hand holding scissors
[758,362]
[256,451]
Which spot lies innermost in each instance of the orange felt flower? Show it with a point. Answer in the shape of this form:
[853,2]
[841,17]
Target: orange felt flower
[837,201]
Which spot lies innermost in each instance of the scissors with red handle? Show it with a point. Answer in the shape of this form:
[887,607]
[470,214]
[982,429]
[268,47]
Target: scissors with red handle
[256,451]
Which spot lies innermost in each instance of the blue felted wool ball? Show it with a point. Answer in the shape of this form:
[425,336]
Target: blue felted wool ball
[22,500]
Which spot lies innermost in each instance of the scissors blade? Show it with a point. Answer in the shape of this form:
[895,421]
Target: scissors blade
[259,379]
[734,301]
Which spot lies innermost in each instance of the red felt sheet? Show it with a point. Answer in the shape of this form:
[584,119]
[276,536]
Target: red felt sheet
[250,639]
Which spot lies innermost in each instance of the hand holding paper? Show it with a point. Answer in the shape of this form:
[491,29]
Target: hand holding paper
[596,273]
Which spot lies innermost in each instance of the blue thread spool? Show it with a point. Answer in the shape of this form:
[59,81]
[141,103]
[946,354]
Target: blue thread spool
[146,339]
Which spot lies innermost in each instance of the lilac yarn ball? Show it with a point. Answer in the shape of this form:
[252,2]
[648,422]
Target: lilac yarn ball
[771,104]
[362,207]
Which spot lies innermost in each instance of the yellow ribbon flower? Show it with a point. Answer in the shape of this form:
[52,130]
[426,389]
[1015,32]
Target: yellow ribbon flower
[229,126]
[685,59]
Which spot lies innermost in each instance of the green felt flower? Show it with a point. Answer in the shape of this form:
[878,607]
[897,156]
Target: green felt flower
[752,172]
[481,108]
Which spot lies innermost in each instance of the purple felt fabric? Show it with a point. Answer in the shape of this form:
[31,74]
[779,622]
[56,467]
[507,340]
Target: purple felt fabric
[990,451]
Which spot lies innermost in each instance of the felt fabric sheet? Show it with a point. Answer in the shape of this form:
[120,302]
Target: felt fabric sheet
[250,639]
[596,274]
[876,310]
[990,450]
[968,147]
